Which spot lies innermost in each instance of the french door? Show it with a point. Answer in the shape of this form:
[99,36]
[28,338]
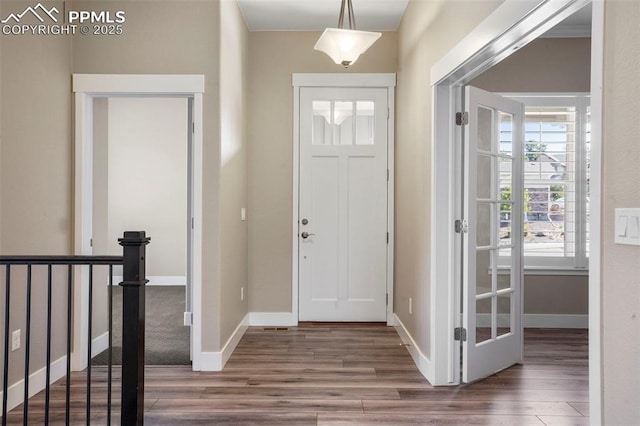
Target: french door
[493,235]
[342,254]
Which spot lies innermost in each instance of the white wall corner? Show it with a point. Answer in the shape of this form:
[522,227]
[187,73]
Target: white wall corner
[215,361]
[422,362]
[272,319]
[211,361]
[37,381]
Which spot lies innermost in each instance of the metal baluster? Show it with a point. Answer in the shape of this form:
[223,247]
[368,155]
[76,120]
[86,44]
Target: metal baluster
[48,373]
[27,347]
[5,379]
[109,349]
[67,407]
[89,344]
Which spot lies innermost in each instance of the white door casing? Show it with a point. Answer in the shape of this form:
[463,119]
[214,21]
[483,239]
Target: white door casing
[86,87]
[343,204]
[512,25]
[492,302]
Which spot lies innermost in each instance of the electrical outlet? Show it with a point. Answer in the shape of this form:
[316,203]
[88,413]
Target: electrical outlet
[241,294]
[410,306]
[15,340]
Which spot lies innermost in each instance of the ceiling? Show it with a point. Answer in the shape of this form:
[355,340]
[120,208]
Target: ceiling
[316,15]
[371,15]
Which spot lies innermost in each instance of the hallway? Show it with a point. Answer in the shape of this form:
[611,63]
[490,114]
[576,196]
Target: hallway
[321,374]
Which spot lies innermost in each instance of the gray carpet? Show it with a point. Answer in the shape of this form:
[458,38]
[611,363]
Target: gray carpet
[166,339]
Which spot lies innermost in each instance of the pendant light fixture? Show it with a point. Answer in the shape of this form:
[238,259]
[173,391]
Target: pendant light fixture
[344,45]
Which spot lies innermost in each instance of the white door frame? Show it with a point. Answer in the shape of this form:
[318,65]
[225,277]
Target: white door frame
[87,87]
[382,80]
[512,25]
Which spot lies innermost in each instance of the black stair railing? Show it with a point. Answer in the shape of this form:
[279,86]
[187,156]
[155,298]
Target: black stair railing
[133,325]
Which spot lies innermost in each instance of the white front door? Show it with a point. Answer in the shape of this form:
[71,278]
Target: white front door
[342,228]
[492,297]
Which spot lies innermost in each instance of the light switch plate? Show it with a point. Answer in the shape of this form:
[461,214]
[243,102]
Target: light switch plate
[627,226]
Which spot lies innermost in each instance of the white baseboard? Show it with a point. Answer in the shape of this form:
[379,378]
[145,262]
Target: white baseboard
[556,321]
[37,381]
[99,344]
[215,361]
[539,320]
[272,319]
[422,362]
[158,280]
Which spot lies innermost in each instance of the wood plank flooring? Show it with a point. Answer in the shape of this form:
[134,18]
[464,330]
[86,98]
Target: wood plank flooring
[344,374]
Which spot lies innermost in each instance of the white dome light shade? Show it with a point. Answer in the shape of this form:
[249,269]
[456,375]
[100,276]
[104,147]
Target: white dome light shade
[345,46]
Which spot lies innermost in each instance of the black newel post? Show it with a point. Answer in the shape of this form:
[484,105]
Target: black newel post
[133,291]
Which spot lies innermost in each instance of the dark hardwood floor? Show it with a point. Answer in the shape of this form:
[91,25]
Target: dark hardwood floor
[346,374]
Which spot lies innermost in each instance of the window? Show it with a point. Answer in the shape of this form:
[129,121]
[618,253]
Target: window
[334,123]
[556,181]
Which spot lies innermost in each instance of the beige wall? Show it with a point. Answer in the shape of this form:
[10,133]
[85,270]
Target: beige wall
[621,188]
[529,70]
[234,71]
[544,65]
[427,32]
[35,174]
[273,57]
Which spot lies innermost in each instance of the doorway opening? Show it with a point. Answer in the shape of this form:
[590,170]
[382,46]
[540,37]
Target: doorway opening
[186,91]
[141,176]
[487,46]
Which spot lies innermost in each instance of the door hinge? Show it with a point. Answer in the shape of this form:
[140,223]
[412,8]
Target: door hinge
[387,175]
[387,299]
[193,127]
[193,226]
[460,334]
[388,112]
[461,226]
[387,238]
[90,242]
[462,118]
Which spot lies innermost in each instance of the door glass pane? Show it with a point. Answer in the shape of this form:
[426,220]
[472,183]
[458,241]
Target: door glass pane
[483,230]
[506,133]
[483,272]
[321,123]
[483,320]
[506,165]
[343,123]
[485,129]
[504,314]
[365,122]
[484,177]
[504,280]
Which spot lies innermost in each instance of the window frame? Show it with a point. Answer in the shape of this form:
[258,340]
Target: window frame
[564,265]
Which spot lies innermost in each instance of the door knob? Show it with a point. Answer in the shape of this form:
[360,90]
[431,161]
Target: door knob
[306,235]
